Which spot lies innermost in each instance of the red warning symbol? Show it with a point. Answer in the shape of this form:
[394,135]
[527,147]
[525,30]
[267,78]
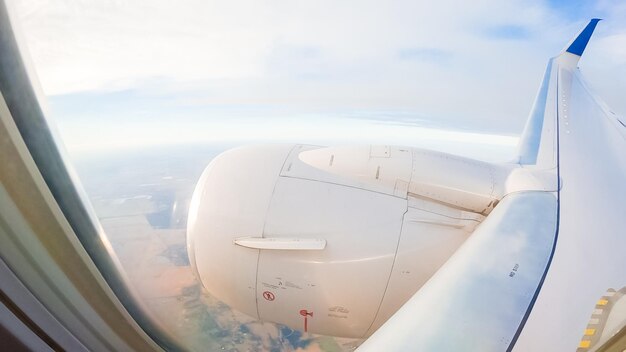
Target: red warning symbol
[305,313]
[268,296]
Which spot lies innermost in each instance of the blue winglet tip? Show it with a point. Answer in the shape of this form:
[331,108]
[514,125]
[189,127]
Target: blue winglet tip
[580,43]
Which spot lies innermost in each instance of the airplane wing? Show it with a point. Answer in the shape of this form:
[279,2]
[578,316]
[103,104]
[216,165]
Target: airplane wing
[479,298]
[530,275]
[589,255]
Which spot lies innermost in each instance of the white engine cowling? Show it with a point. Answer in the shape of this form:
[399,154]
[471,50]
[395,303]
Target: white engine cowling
[330,240]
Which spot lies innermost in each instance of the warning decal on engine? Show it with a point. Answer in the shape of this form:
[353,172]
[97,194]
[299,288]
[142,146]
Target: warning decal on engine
[268,296]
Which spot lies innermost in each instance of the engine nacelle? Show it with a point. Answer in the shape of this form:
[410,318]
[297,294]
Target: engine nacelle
[330,240]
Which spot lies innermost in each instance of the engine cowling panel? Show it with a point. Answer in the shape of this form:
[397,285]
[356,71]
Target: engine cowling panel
[381,244]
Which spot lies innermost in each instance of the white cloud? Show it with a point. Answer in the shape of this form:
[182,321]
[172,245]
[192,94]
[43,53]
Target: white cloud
[318,54]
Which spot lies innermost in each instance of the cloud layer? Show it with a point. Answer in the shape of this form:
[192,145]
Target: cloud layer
[477,64]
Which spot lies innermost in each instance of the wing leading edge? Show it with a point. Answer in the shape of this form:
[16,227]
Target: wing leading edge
[537,146]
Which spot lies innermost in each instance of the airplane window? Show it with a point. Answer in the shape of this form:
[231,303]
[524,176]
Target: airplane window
[146,97]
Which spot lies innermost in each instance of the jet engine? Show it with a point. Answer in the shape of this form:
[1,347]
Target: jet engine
[332,240]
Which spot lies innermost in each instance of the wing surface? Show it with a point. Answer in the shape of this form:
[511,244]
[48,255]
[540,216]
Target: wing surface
[478,299]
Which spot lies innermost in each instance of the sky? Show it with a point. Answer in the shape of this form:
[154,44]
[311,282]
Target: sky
[126,74]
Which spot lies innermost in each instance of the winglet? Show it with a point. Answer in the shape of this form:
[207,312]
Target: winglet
[580,43]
